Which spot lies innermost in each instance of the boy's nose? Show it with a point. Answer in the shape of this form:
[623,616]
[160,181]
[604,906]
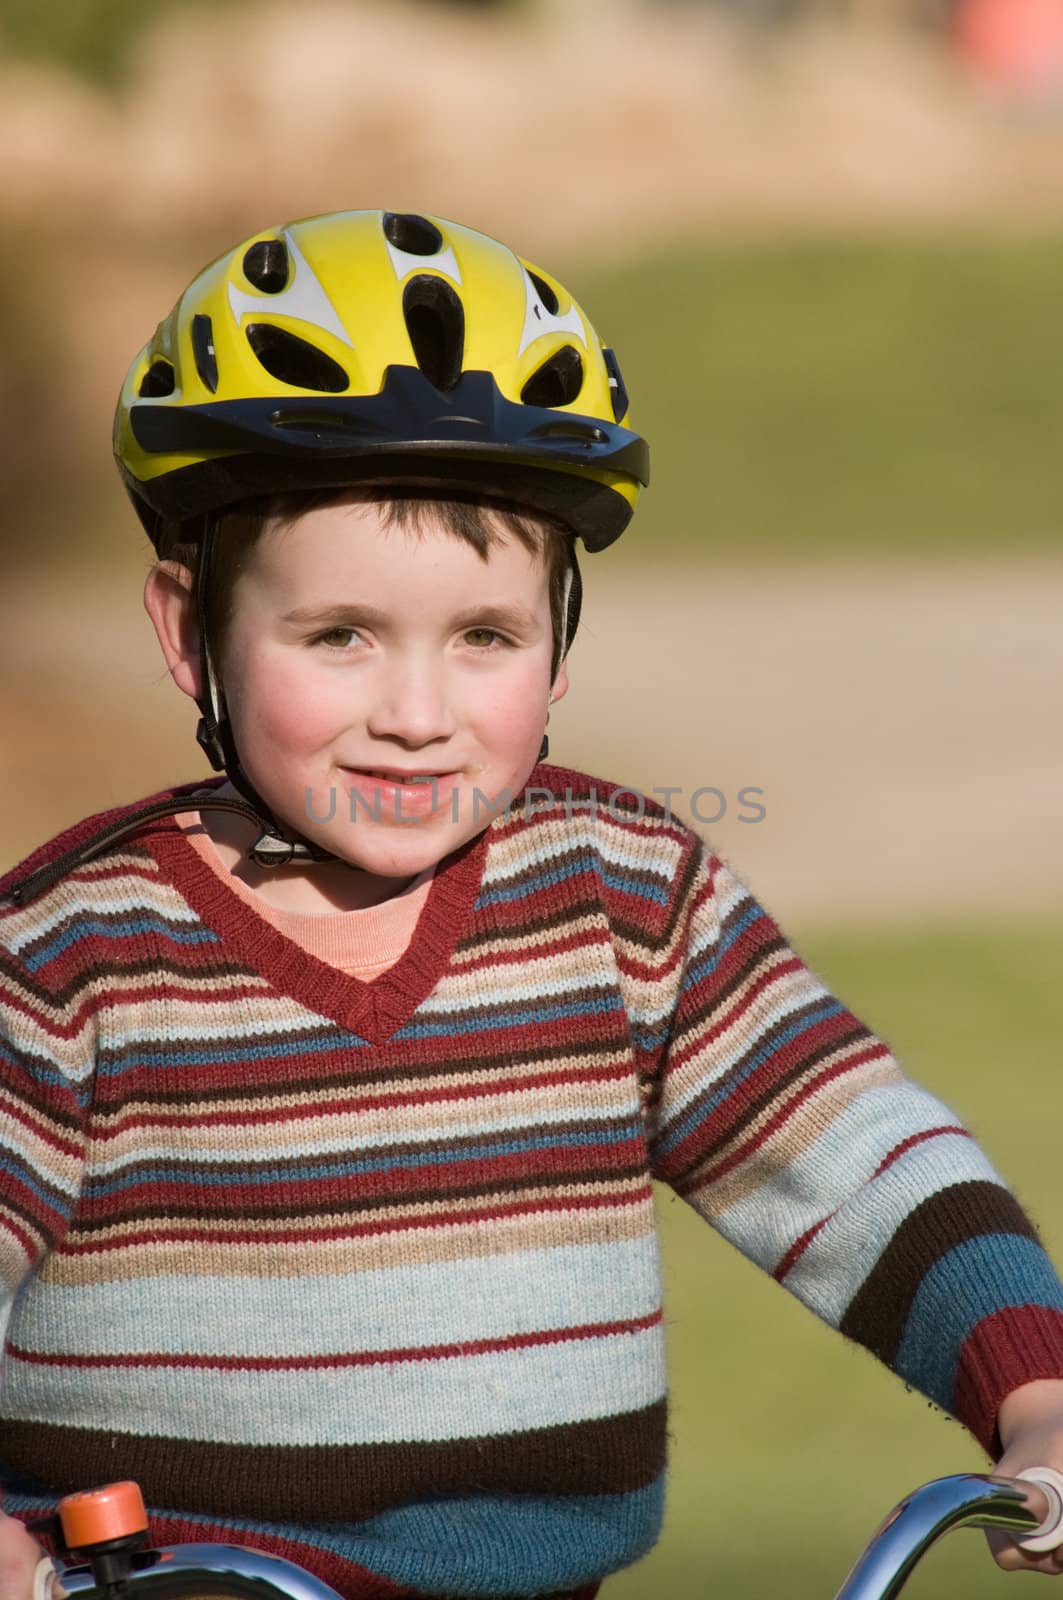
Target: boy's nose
[412,706]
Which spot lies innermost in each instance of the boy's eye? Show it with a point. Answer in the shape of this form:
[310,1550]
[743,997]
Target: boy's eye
[332,636]
[340,637]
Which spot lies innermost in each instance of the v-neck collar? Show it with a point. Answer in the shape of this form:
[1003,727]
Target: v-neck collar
[374,1011]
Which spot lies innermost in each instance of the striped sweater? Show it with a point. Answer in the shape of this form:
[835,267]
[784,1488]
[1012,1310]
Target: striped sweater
[367,1273]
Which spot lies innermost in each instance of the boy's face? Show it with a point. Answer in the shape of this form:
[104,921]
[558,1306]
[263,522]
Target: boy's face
[355,648]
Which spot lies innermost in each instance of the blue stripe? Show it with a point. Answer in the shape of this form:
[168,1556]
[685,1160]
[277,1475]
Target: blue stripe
[705,966]
[699,1113]
[506,894]
[28,1180]
[646,1038]
[40,1072]
[429,1157]
[975,1279]
[606,1006]
[260,1048]
[476,1544]
[118,930]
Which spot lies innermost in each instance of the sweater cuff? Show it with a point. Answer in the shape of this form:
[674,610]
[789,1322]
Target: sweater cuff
[1015,1346]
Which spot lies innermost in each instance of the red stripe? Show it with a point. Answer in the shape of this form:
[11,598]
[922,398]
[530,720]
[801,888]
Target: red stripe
[918,1138]
[218,992]
[19,1113]
[46,1022]
[783,1115]
[798,1248]
[739,1004]
[273,1075]
[347,1577]
[31,1246]
[568,782]
[538,1165]
[48,1218]
[1009,1348]
[256,1116]
[361,1358]
[519,952]
[151,989]
[608,1200]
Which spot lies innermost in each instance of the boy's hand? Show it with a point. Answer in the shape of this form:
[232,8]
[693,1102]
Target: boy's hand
[20,1556]
[1031,1430]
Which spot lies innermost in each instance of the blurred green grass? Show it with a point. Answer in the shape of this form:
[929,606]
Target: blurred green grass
[790,1444]
[814,397]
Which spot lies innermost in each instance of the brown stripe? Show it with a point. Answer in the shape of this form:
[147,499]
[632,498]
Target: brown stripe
[478,1093]
[24,985]
[485,1145]
[492,926]
[45,1123]
[878,1311]
[713,997]
[117,971]
[351,1205]
[278,1251]
[348,1075]
[752,1109]
[723,1180]
[346,1483]
[581,855]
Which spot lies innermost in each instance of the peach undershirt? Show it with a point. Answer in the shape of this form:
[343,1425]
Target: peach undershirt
[360,943]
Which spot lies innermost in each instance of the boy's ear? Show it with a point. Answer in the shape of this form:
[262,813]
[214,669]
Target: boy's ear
[169,600]
[559,687]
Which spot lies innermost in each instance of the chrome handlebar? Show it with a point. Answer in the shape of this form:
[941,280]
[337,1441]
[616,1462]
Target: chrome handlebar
[196,1569]
[968,1500]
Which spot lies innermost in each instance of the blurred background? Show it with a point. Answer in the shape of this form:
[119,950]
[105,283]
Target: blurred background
[826,239]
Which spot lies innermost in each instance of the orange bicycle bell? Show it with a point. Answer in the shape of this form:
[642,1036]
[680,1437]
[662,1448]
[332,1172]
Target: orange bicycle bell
[102,1527]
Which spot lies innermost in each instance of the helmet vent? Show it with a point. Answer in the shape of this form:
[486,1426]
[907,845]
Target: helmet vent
[160,379]
[435,322]
[203,350]
[558,381]
[545,293]
[415,235]
[292,360]
[617,387]
[266,266]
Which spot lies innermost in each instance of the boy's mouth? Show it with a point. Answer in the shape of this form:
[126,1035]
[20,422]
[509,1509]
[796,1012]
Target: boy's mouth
[392,776]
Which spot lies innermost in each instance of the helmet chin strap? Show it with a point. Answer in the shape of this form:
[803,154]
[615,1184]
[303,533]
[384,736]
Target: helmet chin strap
[276,846]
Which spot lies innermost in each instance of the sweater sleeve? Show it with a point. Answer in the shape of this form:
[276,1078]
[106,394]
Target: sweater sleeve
[46,1061]
[791,1128]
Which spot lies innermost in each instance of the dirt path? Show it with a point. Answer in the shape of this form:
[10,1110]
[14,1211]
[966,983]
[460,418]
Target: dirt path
[903,725]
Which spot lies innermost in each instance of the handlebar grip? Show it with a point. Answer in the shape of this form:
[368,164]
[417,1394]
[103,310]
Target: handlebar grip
[1049,1536]
[44,1579]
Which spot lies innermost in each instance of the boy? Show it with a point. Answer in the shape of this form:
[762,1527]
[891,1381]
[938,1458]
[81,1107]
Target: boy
[332,1090]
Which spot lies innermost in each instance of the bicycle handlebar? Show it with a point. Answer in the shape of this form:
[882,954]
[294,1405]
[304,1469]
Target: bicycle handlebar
[967,1500]
[188,1569]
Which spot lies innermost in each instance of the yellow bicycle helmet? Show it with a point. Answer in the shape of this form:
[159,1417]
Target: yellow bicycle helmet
[378,347]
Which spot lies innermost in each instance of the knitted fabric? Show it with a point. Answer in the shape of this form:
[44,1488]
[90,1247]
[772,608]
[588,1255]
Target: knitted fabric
[367,1273]
[361,943]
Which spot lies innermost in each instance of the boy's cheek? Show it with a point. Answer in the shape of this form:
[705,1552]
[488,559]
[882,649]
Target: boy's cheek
[309,718]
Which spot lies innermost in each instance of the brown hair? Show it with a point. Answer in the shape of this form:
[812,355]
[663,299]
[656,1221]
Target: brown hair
[480,520]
